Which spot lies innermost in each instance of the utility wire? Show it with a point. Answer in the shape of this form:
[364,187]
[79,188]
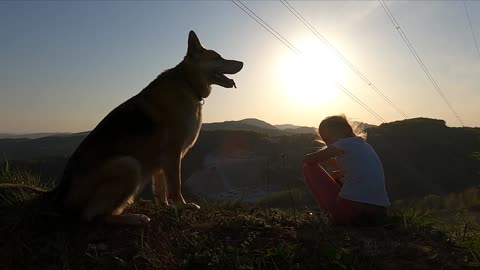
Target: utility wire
[266,26]
[294,49]
[304,21]
[471,28]
[419,60]
[356,99]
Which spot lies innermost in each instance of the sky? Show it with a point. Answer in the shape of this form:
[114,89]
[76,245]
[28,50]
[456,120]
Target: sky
[65,64]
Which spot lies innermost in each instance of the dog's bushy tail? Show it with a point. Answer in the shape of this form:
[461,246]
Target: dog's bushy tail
[15,194]
[22,187]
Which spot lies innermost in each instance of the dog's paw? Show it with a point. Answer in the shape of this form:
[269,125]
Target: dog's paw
[179,206]
[162,204]
[192,205]
[139,219]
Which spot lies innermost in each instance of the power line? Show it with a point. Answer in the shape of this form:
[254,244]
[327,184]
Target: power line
[419,60]
[471,28]
[304,21]
[356,99]
[267,27]
[294,49]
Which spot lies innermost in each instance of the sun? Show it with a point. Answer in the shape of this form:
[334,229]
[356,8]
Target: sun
[310,78]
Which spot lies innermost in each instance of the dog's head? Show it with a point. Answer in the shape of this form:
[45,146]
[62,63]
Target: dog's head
[209,64]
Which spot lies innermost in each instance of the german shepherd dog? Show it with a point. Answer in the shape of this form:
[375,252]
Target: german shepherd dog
[142,140]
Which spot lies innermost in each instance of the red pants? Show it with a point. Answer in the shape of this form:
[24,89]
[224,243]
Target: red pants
[325,191]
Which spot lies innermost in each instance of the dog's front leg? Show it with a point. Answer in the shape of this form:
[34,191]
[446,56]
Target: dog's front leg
[174,182]
[159,187]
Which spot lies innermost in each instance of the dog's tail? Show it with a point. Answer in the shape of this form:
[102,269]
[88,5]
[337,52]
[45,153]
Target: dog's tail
[22,187]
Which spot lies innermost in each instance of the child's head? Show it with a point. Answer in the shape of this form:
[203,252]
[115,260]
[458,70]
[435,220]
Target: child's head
[336,127]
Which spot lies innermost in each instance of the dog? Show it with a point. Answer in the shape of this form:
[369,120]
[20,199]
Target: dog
[143,140]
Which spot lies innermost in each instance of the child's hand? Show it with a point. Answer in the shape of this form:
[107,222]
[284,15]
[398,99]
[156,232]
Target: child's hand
[322,155]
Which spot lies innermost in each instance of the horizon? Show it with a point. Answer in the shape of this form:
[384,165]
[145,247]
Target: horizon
[53,132]
[249,118]
[68,64]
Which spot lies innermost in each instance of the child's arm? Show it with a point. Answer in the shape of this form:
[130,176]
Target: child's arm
[322,155]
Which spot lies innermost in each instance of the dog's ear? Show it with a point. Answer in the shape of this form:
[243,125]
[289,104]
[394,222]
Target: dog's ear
[194,45]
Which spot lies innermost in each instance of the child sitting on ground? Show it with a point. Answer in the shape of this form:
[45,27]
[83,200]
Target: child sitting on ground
[354,193]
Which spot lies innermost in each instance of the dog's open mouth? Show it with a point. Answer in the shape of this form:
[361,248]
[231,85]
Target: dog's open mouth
[223,81]
[228,67]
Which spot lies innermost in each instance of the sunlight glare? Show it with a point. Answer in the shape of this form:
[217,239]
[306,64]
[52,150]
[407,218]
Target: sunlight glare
[309,79]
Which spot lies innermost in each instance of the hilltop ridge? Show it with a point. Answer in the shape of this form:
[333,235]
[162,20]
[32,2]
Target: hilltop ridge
[420,156]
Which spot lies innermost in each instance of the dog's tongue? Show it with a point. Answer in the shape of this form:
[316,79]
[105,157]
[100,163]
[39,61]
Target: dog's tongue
[226,82]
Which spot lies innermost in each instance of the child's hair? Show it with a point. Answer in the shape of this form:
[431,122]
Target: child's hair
[341,123]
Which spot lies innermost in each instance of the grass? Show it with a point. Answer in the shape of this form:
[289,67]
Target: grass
[19,176]
[225,236]
[455,214]
[293,198]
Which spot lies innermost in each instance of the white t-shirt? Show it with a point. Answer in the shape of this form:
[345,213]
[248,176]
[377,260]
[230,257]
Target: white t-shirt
[363,178]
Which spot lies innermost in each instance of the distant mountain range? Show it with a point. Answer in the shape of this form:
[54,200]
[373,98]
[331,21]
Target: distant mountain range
[253,124]
[420,156]
[30,135]
[249,124]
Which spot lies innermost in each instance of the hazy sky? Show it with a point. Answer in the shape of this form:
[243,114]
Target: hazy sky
[65,65]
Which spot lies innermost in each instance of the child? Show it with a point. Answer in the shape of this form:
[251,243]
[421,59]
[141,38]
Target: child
[361,194]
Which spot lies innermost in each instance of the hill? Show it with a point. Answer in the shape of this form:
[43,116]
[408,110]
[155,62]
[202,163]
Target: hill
[423,156]
[253,124]
[45,147]
[249,124]
[258,123]
[29,135]
[301,130]
[296,129]
[221,236]
[286,126]
[232,235]
[420,157]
